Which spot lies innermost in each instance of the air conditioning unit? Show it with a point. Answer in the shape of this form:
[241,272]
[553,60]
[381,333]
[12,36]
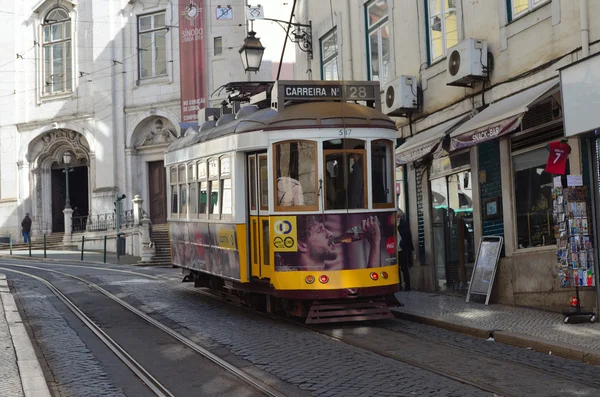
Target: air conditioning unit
[400,96]
[467,62]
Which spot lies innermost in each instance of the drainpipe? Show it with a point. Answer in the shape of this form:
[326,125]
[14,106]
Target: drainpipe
[585,28]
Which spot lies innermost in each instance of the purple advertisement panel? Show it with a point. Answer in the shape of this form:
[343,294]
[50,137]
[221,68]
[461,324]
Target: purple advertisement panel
[335,242]
[206,247]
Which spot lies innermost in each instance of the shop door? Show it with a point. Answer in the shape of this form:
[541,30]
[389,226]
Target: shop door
[258,221]
[452,210]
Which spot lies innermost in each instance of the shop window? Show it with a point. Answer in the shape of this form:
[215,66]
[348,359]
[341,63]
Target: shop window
[382,176]
[521,7]
[378,42]
[400,190]
[345,174]
[443,24]
[57,63]
[329,56]
[533,198]
[152,45]
[295,166]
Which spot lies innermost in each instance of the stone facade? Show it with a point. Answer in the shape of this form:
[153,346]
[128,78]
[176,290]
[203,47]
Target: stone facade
[83,86]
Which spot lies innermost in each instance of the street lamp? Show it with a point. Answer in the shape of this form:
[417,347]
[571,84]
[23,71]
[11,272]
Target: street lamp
[252,52]
[67,160]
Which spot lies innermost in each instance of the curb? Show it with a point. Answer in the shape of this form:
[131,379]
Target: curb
[37,259]
[32,378]
[541,345]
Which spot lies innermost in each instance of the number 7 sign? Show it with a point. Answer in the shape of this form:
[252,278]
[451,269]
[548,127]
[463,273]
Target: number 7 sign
[557,158]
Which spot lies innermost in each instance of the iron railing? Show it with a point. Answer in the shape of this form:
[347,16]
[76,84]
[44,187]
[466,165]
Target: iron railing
[103,222]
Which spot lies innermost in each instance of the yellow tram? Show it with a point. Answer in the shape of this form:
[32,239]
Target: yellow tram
[289,203]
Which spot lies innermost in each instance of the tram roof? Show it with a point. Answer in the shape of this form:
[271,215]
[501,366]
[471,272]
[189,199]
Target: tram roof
[294,116]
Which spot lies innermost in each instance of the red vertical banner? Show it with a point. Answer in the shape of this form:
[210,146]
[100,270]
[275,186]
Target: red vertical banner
[192,58]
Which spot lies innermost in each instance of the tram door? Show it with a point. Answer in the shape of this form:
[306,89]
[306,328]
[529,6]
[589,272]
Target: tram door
[258,221]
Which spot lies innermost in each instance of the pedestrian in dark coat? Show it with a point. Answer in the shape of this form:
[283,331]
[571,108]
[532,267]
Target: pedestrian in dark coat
[26,227]
[405,250]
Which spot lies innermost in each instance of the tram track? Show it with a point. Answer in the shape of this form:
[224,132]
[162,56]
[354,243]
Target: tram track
[336,334]
[144,375]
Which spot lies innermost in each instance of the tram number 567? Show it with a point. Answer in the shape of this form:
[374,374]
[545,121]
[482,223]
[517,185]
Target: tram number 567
[345,132]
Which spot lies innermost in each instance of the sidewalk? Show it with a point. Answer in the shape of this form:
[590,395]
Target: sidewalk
[518,326]
[72,256]
[20,369]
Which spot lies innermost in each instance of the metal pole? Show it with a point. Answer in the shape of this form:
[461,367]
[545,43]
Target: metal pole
[105,237]
[67,200]
[10,243]
[29,241]
[44,245]
[82,244]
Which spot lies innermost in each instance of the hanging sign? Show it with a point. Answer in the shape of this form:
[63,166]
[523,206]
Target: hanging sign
[557,159]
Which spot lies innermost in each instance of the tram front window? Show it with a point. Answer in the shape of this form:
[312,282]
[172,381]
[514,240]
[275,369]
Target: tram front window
[296,175]
[345,174]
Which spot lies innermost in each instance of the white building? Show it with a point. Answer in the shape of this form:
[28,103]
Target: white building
[452,174]
[101,80]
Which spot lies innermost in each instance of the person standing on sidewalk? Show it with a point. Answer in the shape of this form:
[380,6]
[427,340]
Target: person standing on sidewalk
[405,250]
[26,227]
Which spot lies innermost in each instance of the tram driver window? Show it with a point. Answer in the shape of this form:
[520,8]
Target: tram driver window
[345,174]
[382,173]
[296,175]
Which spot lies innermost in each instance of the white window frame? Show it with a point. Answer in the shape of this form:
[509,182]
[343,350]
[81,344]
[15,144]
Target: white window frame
[441,14]
[377,27]
[531,6]
[220,40]
[152,50]
[331,59]
[67,28]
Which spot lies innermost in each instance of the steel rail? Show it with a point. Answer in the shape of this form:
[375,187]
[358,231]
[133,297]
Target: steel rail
[257,384]
[154,385]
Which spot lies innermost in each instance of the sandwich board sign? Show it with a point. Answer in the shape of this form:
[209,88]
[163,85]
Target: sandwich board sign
[484,270]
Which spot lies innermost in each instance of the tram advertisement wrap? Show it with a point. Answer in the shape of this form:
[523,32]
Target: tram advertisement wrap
[192,58]
[334,242]
[207,247]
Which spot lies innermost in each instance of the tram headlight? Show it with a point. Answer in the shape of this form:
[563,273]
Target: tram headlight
[374,276]
[309,279]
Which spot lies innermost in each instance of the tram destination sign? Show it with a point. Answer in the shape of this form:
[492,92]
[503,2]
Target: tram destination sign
[294,90]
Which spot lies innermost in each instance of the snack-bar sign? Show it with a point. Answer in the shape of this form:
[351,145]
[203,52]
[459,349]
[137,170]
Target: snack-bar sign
[352,92]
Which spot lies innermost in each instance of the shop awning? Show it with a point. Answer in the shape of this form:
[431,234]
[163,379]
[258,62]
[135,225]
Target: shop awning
[427,141]
[500,118]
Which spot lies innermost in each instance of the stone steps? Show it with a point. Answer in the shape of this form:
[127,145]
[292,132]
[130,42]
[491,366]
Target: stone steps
[162,246]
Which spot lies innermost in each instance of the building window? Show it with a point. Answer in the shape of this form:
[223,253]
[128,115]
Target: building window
[443,27]
[519,7]
[152,45]
[218,45]
[56,52]
[295,165]
[378,41]
[329,56]
[382,174]
[533,198]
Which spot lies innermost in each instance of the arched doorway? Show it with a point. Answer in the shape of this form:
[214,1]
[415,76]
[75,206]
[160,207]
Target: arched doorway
[48,180]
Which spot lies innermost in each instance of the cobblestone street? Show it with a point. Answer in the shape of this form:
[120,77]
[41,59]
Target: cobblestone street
[387,358]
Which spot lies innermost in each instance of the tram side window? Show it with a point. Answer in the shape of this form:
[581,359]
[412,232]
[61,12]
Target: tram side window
[225,177]
[174,192]
[296,175]
[193,189]
[203,193]
[182,191]
[382,180]
[213,204]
